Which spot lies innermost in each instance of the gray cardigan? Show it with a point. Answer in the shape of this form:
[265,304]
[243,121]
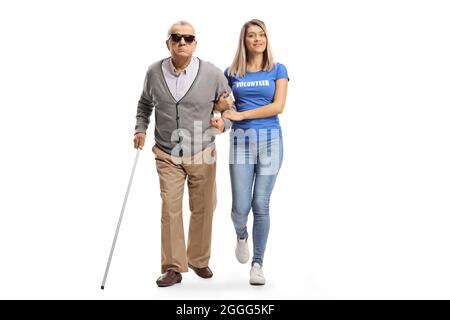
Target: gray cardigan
[181,127]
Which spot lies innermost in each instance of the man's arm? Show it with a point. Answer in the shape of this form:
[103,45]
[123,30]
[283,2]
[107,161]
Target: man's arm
[144,111]
[224,99]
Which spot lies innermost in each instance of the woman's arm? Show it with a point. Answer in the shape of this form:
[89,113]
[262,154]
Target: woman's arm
[274,108]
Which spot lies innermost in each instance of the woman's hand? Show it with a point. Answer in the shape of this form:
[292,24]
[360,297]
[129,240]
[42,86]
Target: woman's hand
[233,115]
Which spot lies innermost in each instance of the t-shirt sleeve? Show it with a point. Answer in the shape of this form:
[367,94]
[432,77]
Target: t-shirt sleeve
[228,77]
[282,72]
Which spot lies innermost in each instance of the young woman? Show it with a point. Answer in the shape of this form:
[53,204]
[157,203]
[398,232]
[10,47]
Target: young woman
[259,86]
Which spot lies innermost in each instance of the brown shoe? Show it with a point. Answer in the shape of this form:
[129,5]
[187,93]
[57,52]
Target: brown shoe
[202,272]
[169,278]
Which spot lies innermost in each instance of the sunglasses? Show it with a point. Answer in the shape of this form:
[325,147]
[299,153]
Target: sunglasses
[177,37]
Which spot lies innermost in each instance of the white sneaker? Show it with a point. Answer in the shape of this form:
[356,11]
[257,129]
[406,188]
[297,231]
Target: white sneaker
[242,253]
[257,275]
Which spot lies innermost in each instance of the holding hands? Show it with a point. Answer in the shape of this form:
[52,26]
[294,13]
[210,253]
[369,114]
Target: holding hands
[225,105]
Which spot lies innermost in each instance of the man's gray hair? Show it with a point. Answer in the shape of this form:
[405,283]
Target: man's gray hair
[179,23]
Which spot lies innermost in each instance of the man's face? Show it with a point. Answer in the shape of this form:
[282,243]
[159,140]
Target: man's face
[181,48]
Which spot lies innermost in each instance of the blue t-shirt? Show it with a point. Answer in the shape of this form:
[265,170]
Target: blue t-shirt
[254,90]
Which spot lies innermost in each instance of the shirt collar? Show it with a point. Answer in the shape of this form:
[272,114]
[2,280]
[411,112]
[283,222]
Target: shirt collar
[188,69]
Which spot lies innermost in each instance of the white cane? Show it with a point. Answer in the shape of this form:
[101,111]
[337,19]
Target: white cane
[120,220]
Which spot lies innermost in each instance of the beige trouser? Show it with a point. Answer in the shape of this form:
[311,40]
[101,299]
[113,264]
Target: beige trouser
[201,179]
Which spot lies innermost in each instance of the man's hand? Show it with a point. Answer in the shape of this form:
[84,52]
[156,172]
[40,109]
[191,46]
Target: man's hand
[139,140]
[225,102]
[218,124]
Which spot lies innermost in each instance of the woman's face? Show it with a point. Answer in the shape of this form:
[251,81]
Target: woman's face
[255,40]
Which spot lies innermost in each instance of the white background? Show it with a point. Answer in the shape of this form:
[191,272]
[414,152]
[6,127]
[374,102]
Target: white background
[361,206]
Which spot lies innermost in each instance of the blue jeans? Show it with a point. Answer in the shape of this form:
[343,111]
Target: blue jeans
[254,168]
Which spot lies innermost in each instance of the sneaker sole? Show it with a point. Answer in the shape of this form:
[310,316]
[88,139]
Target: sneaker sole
[257,283]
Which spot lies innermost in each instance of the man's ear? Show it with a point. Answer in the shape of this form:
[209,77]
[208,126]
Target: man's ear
[167,45]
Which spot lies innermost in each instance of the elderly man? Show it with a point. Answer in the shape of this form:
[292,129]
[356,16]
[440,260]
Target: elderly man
[183,91]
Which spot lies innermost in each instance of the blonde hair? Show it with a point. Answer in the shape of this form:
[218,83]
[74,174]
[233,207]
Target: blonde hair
[239,65]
